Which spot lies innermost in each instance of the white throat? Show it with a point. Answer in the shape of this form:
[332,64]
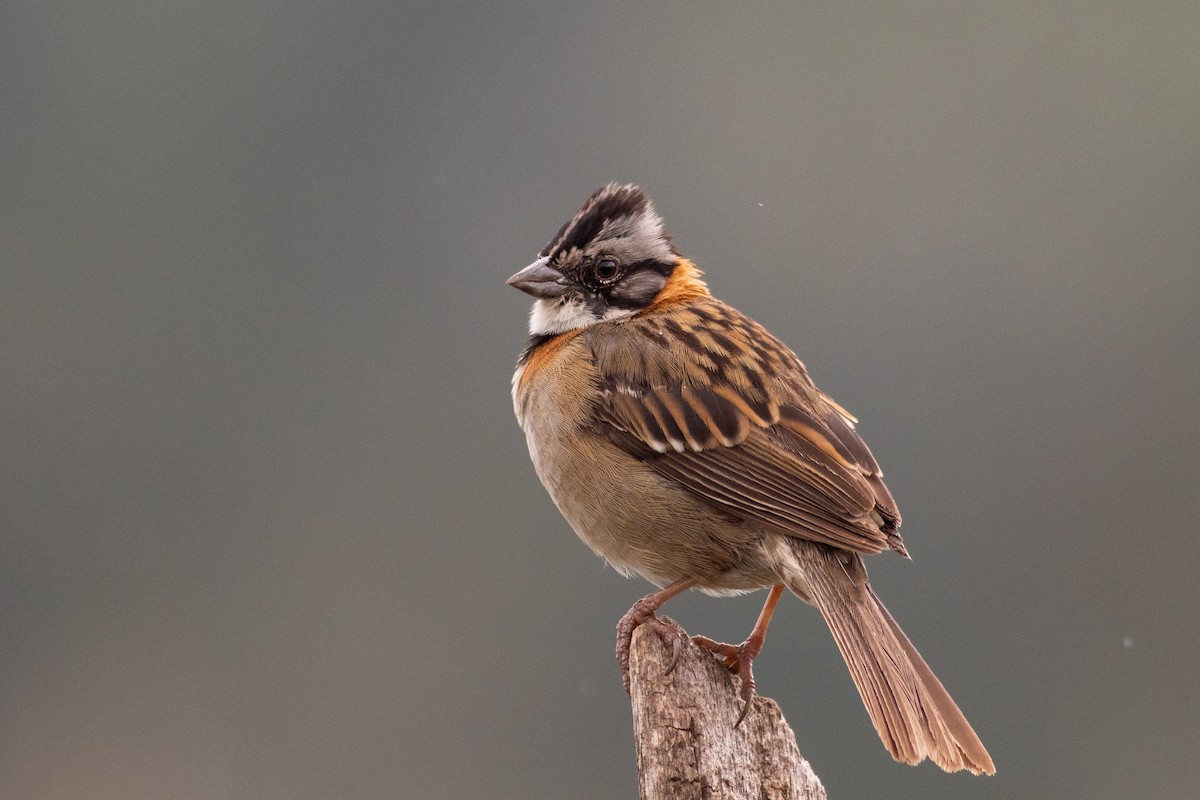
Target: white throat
[550,317]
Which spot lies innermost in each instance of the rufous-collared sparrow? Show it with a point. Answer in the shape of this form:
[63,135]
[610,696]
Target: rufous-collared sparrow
[685,443]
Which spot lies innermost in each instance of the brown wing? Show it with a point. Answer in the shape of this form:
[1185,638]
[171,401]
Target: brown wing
[720,406]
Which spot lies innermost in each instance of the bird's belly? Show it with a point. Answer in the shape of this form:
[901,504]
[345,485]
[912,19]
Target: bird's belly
[640,521]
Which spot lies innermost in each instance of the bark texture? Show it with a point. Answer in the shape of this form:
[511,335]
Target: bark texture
[684,737]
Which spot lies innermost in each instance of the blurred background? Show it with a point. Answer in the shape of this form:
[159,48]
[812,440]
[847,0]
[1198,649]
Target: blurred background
[270,530]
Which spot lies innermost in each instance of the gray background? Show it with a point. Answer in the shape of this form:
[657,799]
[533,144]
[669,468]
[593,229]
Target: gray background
[269,529]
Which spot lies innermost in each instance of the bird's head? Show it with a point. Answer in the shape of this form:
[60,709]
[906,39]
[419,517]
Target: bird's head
[611,260]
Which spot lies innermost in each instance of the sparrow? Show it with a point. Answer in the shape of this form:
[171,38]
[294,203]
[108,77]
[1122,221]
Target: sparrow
[686,444]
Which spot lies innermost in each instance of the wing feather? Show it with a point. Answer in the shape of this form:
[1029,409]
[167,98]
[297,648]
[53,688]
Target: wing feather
[741,425]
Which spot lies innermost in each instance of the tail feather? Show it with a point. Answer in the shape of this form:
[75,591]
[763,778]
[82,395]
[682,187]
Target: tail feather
[913,713]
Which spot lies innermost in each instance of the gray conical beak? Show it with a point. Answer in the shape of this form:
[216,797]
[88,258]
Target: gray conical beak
[540,280]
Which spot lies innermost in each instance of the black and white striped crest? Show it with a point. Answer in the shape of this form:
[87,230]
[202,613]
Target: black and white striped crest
[615,212]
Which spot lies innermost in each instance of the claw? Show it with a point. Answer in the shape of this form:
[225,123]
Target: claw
[669,632]
[739,659]
[642,613]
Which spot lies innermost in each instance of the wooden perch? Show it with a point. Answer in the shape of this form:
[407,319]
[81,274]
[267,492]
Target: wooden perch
[683,731]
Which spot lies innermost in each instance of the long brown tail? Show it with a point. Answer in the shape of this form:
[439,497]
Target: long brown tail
[913,713]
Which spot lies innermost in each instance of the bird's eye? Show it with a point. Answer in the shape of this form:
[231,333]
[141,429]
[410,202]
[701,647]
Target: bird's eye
[607,270]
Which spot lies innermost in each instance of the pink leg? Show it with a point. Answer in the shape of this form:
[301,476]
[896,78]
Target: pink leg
[642,613]
[740,658]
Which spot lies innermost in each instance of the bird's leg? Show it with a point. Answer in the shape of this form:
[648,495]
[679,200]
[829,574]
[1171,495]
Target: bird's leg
[642,613]
[739,658]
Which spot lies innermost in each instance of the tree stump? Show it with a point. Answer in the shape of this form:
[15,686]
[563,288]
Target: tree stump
[684,735]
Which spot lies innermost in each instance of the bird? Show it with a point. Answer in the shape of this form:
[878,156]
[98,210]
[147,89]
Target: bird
[686,444]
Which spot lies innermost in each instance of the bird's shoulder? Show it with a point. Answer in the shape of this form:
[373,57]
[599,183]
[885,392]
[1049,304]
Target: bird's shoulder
[706,395]
[706,351]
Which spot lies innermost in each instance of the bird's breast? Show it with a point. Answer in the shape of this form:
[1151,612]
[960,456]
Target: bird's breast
[624,510]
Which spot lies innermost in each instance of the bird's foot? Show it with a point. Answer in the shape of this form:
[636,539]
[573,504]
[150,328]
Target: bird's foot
[739,659]
[640,614]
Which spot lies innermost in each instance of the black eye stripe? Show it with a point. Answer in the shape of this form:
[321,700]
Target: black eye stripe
[636,289]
